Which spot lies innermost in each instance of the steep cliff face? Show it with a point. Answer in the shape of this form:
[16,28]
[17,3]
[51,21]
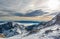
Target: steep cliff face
[55,20]
[58,19]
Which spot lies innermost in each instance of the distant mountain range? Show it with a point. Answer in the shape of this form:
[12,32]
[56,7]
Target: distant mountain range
[36,13]
[14,13]
[10,28]
[33,13]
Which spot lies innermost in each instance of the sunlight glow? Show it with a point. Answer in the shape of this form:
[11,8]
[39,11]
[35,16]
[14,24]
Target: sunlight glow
[52,4]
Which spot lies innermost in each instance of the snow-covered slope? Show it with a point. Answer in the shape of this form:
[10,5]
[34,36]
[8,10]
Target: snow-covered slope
[51,30]
[44,30]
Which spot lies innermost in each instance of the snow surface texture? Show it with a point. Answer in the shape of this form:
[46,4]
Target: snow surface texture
[52,32]
[49,30]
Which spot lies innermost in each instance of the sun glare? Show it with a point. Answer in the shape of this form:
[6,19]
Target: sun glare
[52,4]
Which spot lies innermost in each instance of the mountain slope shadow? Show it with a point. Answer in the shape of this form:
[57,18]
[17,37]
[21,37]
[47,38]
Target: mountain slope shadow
[55,20]
[58,19]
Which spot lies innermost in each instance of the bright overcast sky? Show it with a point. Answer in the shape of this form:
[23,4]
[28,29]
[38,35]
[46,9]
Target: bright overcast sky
[24,6]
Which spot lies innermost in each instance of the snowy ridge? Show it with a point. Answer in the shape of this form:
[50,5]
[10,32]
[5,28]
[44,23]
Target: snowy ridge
[50,30]
[43,30]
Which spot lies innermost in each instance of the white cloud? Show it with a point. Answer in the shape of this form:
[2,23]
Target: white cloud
[24,6]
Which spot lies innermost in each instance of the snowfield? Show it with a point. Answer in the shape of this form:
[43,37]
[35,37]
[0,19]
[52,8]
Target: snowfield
[52,32]
[44,30]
